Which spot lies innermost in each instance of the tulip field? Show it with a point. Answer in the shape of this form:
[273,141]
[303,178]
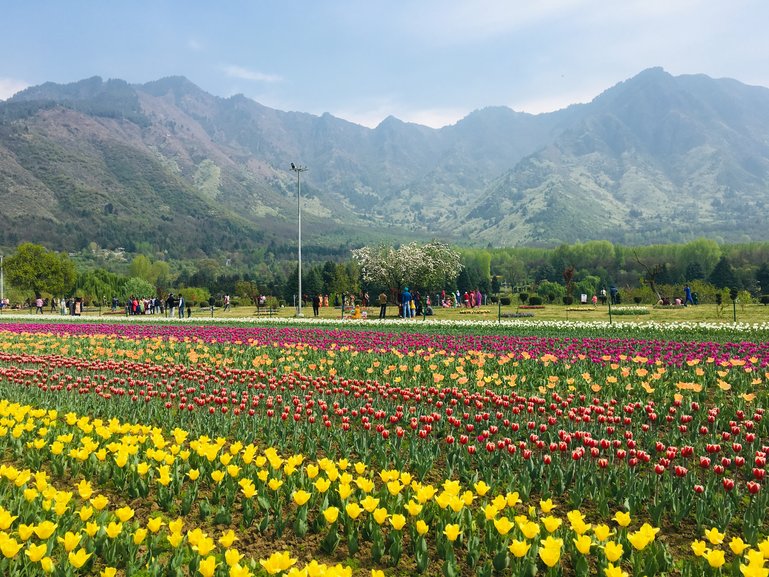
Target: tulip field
[355,450]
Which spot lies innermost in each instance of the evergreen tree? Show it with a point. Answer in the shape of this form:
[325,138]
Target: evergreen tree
[694,271]
[762,278]
[723,275]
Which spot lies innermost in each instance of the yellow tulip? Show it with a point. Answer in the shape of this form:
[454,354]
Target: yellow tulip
[176,525]
[10,547]
[91,529]
[175,539]
[217,475]
[737,545]
[204,546]
[602,532]
[79,558]
[322,484]
[227,539]
[380,515]
[452,532]
[344,490]
[715,536]
[547,506]
[503,525]
[154,524]
[85,512]
[44,529]
[519,548]
[277,563]
[715,558]
[612,571]
[583,544]
[113,529]
[238,571]
[207,566]
[622,518]
[36,552]
[353,510]
[481,488]
[232,557]
[369,503]
[26,531]
[124,513]
[84,489]
[530,529]
[70,540]
[551,523]
[193,474]
[422,527]
[398,521]
[301,497]
[46,563]
[139,536]
[99,502]
[413,508]
[550,550]
[108,572]
[331,514]
[613,551]
[699,547]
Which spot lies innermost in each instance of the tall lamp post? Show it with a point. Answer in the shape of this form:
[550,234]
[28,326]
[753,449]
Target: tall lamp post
[2,284]
[299,170]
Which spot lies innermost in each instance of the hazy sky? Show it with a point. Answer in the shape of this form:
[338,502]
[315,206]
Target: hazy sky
[430,62]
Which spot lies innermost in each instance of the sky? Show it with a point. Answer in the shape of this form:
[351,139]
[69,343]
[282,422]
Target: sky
[430,62]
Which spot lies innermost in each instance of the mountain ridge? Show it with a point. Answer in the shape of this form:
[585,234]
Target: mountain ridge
[654,158]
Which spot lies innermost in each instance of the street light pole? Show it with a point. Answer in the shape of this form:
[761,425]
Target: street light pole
[299,170]
[2,284]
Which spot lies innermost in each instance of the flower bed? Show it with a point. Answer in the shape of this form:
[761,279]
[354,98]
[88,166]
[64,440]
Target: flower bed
[446,454]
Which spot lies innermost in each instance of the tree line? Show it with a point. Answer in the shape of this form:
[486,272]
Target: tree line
[702,263]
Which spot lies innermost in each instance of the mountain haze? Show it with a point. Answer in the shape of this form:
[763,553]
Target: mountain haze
[655,158]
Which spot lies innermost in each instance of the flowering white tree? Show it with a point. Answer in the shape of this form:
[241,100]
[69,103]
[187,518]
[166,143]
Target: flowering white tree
[426,266]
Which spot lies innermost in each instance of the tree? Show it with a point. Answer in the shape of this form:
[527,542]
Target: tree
[33,268]
[138,287]
[426,266]
[762,278]
[723,275]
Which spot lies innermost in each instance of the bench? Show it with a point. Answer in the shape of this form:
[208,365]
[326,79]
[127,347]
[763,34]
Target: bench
[266,312]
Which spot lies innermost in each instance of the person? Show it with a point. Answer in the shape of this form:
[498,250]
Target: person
[39,304]
[189,310]
[595,300]
[602,297]
[406,303]
[478,297]
[316,305]
[688,296]
[181,306]
[226,303]
[382,305]
[170,301]
[614,293]
[457,299]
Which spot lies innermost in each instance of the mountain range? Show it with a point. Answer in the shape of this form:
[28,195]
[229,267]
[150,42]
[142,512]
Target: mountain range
[165,165]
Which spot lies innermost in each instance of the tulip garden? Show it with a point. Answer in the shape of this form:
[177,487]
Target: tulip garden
[173,450]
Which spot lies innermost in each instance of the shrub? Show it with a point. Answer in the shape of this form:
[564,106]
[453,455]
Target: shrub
[523,297]
[637,300]
[535,300]
[505,301]
[568,300]
[764,300]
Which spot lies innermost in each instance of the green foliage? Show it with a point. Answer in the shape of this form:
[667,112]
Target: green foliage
[33,268]
[138,287]
[195,295]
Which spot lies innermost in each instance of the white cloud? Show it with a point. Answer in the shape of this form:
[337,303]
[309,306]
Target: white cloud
[194,45]
[246,74]
[10,86]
